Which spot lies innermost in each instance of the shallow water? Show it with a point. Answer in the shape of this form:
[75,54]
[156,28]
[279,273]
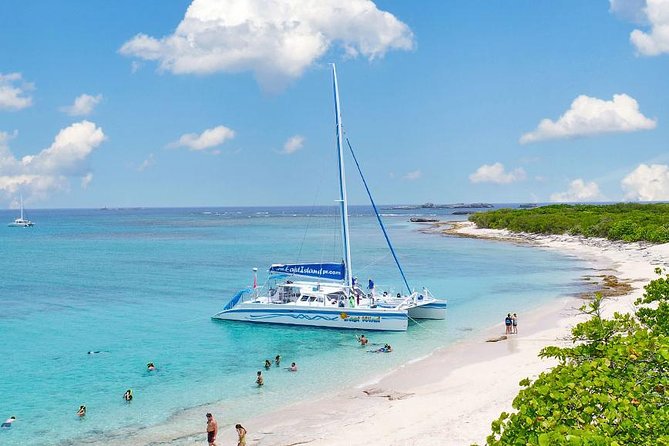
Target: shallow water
[140,285]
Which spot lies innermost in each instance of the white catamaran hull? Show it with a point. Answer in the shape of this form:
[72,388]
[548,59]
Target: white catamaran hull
[432,310]
[347,318]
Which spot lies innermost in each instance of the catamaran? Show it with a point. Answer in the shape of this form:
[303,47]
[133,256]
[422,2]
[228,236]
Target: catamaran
[21,221]
[327,294]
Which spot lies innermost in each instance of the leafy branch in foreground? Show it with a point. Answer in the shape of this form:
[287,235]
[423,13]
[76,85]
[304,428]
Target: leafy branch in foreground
[610,388]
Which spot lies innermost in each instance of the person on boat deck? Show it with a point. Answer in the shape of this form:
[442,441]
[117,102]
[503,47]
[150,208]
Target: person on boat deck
[370,286]
[128,395]
[399,295]
[351,302]
[8,423]
[341,303]
[82,411]
[363,340]
[259,380]
[293,367]
[268,364]
[277,360]
[150,367]
[385,293]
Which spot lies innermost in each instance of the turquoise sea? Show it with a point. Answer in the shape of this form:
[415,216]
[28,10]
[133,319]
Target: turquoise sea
[140,285]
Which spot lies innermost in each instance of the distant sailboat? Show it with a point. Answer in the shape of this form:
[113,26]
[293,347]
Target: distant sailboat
[21,222]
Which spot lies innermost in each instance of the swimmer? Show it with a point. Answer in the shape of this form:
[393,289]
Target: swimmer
[94,352]
[259,380]
[388,348]
[293,367]
[268,364]
[82,411]
[363,340]
[128,395]
[8,423]
[150,367]
[277,360]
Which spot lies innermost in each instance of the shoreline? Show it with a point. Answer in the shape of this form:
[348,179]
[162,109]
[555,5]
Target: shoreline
[463,387]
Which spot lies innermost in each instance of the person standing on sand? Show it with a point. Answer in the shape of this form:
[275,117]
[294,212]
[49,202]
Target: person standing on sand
[507,322]
[241,432]
[514,321]
[212,430]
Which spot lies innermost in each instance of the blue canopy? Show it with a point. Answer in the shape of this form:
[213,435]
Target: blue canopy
[328,271]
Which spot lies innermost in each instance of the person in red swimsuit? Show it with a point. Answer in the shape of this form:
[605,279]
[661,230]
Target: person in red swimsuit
[212,430]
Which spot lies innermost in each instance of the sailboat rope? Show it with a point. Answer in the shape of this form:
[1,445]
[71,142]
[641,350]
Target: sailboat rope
[378,217]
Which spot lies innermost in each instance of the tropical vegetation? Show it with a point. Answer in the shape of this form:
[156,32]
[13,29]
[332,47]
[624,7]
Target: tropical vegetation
[611,387]
[628,222]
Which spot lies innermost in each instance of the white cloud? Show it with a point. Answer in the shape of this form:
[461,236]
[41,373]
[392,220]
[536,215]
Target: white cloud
[13,92]
[413,175]
[579,191]
[590,116]
[86,180]
[38,176]
[83,105]
[293,144]
[276,40]
[656,41]
[148,162]
[632,10]
[205,140]
[495,173]
[647,183]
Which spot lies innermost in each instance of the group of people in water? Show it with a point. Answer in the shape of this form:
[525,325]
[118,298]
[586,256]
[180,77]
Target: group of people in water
[127,396]
[260,380]
[387,348]
[511,323]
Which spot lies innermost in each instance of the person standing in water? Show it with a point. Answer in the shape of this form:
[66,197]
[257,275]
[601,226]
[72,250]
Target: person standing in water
[259,380]
[277,360]
[241,433]
[293,367]
[363,340]
[128,395]
[82,411]
[8,423]
[212,430]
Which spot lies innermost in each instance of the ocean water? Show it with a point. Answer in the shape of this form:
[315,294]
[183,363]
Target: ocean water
[140,285]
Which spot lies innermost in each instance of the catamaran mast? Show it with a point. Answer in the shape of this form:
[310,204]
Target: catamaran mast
[21,206]
[346,248]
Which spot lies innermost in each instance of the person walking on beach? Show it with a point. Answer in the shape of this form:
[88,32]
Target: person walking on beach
[508,322]
[212,430]
[514,321]
[241,432]
[259,380]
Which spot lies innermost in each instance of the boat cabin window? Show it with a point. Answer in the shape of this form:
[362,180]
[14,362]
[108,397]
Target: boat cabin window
[312,298]
[304,298]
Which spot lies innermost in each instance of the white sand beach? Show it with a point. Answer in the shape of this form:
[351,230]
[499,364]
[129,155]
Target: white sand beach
[464,387]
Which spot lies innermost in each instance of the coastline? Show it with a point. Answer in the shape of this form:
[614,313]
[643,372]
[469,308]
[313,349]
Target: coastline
[465,386]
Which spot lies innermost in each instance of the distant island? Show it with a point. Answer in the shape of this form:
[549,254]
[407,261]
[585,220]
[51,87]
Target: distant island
[429,205]
[629,222]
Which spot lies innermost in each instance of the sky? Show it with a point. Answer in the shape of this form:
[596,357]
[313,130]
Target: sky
[229,102]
